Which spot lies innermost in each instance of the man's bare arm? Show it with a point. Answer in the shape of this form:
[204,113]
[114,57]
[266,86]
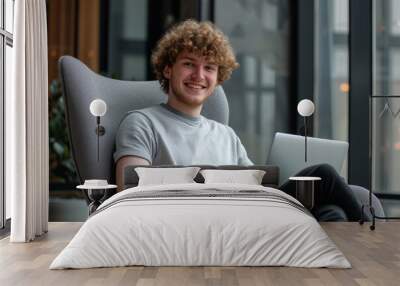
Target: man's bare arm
[122,163]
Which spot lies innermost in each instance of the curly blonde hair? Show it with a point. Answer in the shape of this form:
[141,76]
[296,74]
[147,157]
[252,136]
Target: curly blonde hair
[201,38]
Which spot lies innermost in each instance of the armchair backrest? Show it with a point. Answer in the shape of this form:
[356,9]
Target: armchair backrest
[81,86]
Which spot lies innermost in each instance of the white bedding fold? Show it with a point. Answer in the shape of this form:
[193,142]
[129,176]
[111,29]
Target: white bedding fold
[188,230]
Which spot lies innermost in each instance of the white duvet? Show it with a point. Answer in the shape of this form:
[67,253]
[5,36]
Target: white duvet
[206,230]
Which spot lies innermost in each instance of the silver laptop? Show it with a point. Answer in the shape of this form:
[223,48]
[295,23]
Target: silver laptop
[287,152]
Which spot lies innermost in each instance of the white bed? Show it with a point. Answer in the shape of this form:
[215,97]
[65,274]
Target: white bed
[221,224]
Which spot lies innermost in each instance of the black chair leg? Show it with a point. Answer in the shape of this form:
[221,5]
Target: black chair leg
[361,221]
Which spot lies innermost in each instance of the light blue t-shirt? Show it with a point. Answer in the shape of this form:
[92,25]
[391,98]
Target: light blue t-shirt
[165,136]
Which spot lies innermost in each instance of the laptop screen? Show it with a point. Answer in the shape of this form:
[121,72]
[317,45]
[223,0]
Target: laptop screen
[287,152]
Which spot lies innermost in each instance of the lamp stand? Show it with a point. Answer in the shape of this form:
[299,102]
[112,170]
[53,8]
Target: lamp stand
[100,131]
[305,138]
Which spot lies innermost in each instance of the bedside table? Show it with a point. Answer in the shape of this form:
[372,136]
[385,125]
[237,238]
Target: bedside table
[305,188]
[97,194]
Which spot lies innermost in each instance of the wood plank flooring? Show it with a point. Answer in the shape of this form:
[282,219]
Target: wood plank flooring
[374,255]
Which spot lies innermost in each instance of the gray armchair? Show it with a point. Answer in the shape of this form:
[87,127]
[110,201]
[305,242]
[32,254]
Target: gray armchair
[81,86]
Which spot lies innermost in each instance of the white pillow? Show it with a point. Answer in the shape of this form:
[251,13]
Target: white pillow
[163,176]
[248,177]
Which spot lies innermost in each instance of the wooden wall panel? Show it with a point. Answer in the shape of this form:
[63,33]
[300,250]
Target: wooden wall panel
[61,29]
[73,28]
[89,33]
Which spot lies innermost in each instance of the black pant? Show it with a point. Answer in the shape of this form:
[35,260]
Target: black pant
[332,190]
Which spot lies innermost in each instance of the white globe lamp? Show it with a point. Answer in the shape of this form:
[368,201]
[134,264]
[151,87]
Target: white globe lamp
[305,108]
[98,108]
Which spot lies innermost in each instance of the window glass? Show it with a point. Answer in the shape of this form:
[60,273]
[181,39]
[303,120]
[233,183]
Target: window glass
[341,16]
[250,70]
[9,15]
[393,69]
[386,110]
[331,69]
[6,24]
[394,16]
[2,171]
[127,39]
[134,67]
[331,65]
[134,26]
[267,119]
[267,74]
[258,91]
[1,14]
[8,70]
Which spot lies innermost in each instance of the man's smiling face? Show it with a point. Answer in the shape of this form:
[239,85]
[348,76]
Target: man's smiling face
[192,79]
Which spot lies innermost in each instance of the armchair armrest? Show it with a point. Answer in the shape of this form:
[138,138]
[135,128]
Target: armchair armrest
[363,196]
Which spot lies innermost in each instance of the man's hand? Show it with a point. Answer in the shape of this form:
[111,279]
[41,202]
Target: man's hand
[122,163]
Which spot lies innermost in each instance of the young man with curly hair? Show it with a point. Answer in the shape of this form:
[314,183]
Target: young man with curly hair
[190,61]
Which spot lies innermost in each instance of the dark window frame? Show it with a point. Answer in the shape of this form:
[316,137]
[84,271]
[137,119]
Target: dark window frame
[302,53]
[360,78]
[6,39]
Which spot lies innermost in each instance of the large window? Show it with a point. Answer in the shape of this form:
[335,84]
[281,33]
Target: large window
[127,39]
[386,82]
[258,92]
[331,84]
[6,44]
[331,70]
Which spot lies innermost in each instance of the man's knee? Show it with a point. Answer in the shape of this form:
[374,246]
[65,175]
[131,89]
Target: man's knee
[330,213]
[323,170]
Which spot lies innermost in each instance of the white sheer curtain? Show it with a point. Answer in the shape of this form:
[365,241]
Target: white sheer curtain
[27,124]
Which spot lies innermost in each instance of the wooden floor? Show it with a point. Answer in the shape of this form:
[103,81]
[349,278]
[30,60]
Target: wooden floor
[374,255]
